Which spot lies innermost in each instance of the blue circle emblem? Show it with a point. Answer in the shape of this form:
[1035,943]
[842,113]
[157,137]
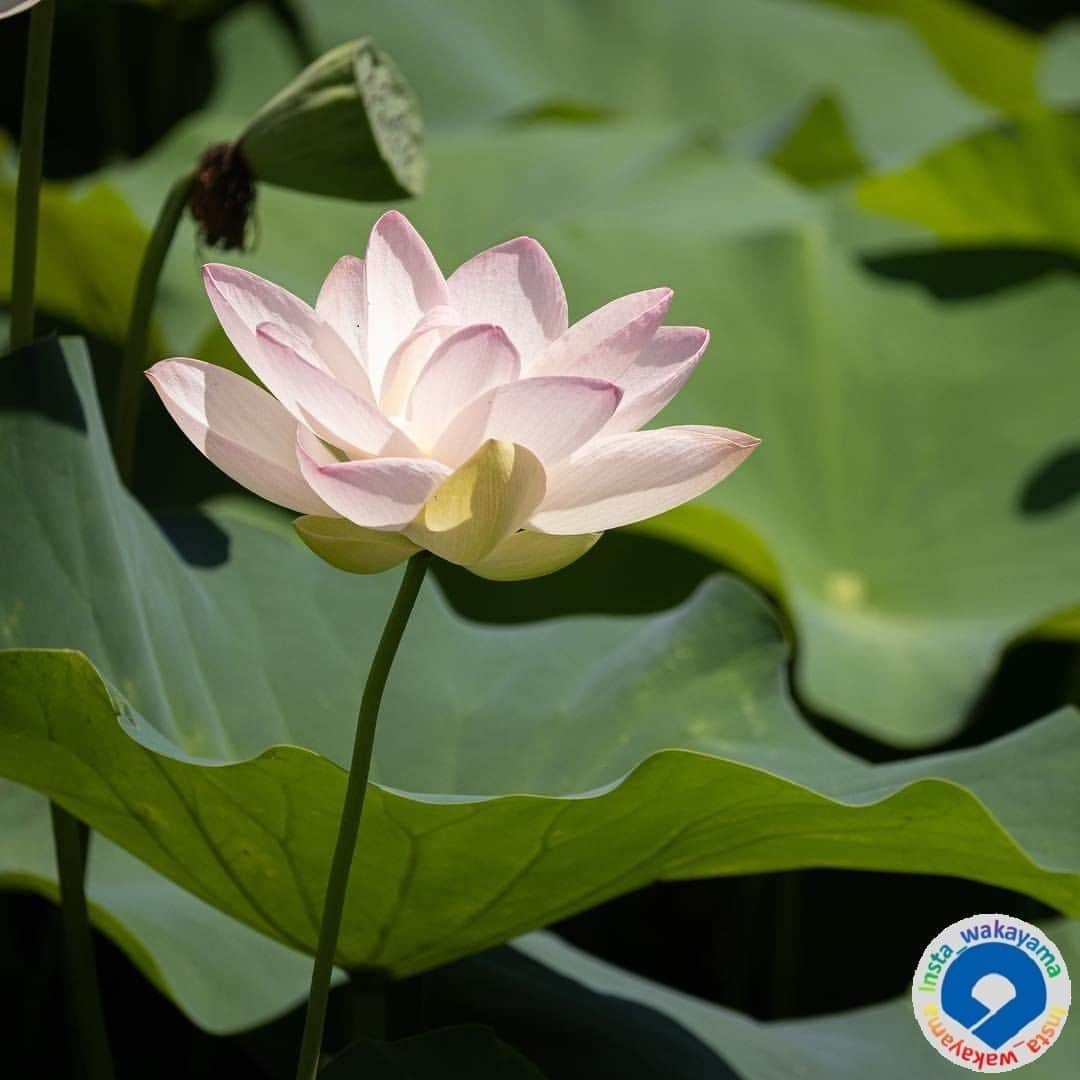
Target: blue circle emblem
[991,993]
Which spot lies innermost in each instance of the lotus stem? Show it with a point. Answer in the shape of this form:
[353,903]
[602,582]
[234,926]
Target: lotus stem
[129,390]
[345,847]
[71,837]
[28,191]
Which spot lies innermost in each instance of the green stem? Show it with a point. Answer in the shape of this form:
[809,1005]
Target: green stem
[84,1001]
[28,191]
[345,848]
[70,836]
[129,390]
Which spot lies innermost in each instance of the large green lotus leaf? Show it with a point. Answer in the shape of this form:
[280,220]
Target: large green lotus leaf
[454,857]
[520,775]
[880,1040]
[224,975]
[737,68]
[718,536]
[991,58]
[903,438]
[1013,185]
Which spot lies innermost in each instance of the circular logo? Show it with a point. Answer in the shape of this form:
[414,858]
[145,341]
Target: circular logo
[991,993]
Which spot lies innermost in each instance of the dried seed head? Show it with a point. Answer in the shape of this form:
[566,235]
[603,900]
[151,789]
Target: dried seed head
[223,197]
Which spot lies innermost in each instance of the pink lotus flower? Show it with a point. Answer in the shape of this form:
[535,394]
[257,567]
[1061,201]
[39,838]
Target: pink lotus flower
[407,410]
[13,7]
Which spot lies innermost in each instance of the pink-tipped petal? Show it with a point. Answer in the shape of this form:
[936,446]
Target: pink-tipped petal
[313,447]
[552,417]
[409,358]
[515,286]
[607,341]
[239,427]
[343,303]
[470,361]
[403,283]
[657,375]
[620,479]
[380,493]
[331,410]
[244,301]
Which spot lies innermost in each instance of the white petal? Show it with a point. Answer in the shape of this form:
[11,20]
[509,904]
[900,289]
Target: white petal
[470,361]
[529,554]
[619,479]
[550,416]
[515,286]
[239,427]
[403,283]
[657,375]
[380,493]
[331,410]
[409,358]
[342,303]
[606,342]
[243,301]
